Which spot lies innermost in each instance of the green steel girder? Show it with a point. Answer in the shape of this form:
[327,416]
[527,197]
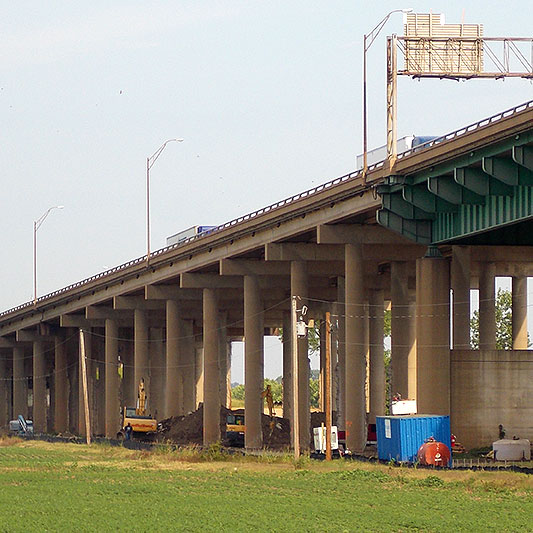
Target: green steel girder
[507,171]
[396,204]
[425,200]
[415,230]
[476,192]
[495,213]
[471,158]
[394,179]
[388,189]
[447,189]
[475,180]
[523,155]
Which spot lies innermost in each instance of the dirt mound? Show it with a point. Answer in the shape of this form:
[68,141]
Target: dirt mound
[188,429]
[276,432]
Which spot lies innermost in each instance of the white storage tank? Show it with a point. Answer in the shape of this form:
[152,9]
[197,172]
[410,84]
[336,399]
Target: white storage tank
[512,450]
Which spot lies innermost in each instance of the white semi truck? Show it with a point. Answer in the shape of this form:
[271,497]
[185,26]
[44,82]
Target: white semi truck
[182,236]
[411,142]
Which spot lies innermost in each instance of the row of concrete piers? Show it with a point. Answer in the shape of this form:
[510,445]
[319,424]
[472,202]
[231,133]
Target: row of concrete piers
[177,337]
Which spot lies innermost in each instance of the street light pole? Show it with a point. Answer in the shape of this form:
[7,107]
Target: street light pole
[149,164]
[367,43]
[36,225]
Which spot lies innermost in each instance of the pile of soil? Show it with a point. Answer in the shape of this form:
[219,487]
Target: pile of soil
[188,429]
[276,432]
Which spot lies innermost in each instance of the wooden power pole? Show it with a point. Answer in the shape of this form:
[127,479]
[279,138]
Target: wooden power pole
[295,403]
[84,383]
[327,387]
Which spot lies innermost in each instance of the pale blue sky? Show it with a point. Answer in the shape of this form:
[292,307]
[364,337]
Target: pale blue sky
[266,94]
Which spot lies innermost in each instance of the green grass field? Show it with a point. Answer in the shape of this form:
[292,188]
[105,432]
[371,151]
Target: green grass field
[68,487]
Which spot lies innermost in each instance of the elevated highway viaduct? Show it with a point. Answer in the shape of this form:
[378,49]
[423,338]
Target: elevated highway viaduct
[442,221]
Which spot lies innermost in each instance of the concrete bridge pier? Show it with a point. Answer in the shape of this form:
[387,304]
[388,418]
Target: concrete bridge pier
[20,383]
[141,353]
[376,363]
[519,312]
[5,398]
[253,362]
[411,360]
[187,358]
[340,311]
[73,356]
[157,402]
[299,287]
[199,373]
[287,366]
[174,383]
[98,379]
[223,360]
[355,349]
[126,352]
[211,371]
[402,330]
[487,312]
[433,343]
[460,279]
[39,387]
[112,407]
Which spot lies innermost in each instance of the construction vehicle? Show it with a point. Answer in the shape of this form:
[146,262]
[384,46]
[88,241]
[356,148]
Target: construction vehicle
[235,430]
[141,423]
[21,426]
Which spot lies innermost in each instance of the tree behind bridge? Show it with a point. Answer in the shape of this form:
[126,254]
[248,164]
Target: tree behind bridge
[504,322]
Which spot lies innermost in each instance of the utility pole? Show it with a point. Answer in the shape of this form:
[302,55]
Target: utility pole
[84,383]
[295,405]
[327,387]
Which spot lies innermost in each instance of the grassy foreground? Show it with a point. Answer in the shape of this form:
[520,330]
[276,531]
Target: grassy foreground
[68,487]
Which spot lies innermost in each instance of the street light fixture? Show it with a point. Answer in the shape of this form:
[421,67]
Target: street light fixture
[368,40]
[36,225]
[149,164]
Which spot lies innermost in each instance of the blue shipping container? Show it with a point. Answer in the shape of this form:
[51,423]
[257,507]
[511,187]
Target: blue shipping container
[399,437]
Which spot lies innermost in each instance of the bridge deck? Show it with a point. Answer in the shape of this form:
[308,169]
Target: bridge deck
[345,198]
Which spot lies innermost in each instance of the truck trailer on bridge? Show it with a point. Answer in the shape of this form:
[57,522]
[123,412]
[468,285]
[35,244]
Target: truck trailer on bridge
[411,142]
[182,236]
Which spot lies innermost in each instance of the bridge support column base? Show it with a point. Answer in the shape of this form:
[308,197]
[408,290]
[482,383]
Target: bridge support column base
[433,338]
[211,369]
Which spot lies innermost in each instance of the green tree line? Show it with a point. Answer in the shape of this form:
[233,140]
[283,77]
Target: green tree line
[276,387]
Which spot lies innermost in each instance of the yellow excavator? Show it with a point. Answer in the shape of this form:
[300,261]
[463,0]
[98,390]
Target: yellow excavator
[136,417]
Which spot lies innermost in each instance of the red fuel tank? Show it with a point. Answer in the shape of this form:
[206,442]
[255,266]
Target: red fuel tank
[433,453]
